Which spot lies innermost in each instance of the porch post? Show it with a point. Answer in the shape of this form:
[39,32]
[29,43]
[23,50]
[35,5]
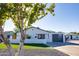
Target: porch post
[63,38]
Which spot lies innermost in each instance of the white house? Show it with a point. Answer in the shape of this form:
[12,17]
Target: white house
[37,35]
[72,37]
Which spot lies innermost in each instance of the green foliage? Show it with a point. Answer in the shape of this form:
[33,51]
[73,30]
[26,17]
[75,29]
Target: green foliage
[30,46]
[16,30]
[77,33]
[21,13]
[29,12]
[3,13]
[51,9]
[24,13]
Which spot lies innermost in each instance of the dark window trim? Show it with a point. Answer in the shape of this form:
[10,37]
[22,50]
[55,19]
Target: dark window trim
[41,36]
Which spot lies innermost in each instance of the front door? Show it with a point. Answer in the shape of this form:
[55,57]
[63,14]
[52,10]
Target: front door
[57,37]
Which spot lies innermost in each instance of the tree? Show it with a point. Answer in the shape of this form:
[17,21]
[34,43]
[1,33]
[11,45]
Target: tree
[16,30]
[3,18]
[25,14]
[73,33]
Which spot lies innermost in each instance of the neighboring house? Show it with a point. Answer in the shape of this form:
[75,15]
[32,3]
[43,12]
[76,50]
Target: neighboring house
[37,35]
[72,37]
[9,34]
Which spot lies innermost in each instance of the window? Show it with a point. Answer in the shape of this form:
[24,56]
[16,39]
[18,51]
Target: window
[14,36]
[28,36]
[41,36]
[8,36]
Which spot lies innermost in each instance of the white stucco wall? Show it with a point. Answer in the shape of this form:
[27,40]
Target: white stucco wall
[75,37]
[33,32]
[35,41]
[17,40]
[50,38]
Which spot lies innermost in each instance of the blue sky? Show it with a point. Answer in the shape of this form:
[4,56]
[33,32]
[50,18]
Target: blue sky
[66,19]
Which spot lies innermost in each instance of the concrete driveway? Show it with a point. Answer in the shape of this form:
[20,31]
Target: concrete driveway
[71,47]
[73,41]
[71,50]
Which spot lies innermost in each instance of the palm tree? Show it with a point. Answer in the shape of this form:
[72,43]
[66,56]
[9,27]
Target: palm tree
[25,14]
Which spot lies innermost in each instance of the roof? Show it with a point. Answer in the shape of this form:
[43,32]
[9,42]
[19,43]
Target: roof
[41,29]
[71,34]
[9,32]
[44,30]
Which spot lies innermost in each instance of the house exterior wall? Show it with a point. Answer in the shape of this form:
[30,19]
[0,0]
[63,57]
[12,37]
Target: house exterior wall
[64,40]
[75,37]
[33,33]
[50,38]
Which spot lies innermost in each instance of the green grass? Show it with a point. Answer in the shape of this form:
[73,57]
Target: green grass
[15,46]
[2,46]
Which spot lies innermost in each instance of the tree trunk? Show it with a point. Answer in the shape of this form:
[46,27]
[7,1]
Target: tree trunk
[6,42]
[10,50]
[20,50]
[20,20]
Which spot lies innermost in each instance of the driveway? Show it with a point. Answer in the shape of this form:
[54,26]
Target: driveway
[71,47]
[71,50]
[73,41]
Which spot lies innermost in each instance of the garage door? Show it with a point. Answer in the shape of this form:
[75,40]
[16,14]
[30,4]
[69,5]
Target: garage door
[57,37]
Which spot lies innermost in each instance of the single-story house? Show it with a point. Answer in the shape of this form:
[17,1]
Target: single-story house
[37,35]
[8,34]
[72,37]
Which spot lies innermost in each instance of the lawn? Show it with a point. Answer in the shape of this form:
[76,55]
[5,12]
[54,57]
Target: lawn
[32,50]
[15,46]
